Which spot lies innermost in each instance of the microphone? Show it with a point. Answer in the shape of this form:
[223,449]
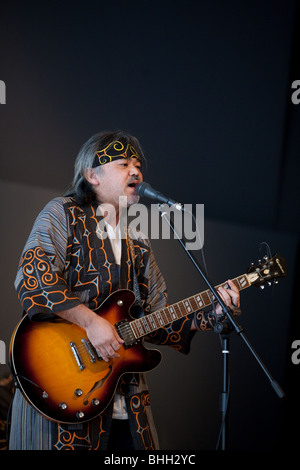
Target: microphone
[144,189]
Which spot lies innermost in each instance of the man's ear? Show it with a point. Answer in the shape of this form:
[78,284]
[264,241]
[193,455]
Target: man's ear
[91,176]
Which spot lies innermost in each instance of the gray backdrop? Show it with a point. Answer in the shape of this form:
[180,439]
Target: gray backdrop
[206,87]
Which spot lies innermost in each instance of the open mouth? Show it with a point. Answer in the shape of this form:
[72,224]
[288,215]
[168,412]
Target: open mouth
[133,184]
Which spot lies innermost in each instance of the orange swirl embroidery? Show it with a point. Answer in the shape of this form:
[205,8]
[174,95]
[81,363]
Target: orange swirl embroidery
[31,260]
[137,404]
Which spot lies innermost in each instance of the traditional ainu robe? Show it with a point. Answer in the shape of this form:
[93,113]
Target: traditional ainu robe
[67,260]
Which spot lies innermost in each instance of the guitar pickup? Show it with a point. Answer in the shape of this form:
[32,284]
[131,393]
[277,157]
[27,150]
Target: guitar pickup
[77,356]
[90,350]
[125,331]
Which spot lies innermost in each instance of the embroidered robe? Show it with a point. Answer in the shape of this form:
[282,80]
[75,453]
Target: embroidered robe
[67,261]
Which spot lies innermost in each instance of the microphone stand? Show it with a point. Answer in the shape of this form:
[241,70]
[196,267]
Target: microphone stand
[224,329]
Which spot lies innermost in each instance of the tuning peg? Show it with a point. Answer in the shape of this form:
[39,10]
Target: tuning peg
[266,258]
[262,287]
[269,283]
[276,281]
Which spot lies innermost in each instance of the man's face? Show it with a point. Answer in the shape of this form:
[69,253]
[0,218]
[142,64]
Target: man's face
[119,178]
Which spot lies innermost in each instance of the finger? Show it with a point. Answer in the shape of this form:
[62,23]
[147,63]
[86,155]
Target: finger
[234,294]
[230,297]
[232,286]
[117,338]
[110,352]
[235,301]
[107,357]
[116,345]
[107,353]
[225,296]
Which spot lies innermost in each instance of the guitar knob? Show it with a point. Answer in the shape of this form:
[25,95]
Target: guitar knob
[63,405]
[78,392]
[120,303]
[95,402]
[80,414]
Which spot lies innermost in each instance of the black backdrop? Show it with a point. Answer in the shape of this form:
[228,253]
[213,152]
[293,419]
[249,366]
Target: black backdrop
[206,87]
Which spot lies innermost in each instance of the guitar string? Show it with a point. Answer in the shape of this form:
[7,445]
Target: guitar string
[82,348]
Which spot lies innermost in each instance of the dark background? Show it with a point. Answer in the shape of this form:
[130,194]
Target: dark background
[206,87]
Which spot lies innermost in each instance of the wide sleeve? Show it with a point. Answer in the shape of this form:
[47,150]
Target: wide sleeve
[40,283]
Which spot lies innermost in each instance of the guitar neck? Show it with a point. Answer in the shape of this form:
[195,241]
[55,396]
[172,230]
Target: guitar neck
[153,321]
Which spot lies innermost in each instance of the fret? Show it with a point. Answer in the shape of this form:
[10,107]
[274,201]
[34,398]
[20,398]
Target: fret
[172,313]
[206,296]
[155,320]
[193,304]
[224,285]
[240,282]
[199,300]
[182,309]
[140,328]
[177,310]
[243,282]
[159,318]
[166,316]
[152,321]
[188,306]
[133,325]
[163,316]
[145,324]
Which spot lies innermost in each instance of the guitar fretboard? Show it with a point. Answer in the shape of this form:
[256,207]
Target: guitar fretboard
[153,321]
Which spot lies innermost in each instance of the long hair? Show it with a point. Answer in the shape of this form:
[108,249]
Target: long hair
[80,188]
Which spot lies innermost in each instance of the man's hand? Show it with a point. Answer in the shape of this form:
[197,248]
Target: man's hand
[104,338]
[231,297]
[100,332]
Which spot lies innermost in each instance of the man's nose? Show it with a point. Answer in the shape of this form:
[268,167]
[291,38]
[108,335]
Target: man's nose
[134,171]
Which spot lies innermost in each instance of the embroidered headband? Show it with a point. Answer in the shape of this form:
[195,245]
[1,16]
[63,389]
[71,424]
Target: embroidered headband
[114,151]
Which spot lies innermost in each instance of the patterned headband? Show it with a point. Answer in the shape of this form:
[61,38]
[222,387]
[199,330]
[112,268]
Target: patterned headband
[114,151]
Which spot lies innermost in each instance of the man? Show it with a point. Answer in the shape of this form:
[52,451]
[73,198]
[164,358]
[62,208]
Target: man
[71,263]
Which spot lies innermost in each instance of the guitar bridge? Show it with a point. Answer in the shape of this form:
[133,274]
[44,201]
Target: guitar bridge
[125,331]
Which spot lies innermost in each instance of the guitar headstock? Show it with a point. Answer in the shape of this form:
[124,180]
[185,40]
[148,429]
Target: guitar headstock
[267,270]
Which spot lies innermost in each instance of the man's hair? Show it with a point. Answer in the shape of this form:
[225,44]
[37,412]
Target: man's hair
[80,188]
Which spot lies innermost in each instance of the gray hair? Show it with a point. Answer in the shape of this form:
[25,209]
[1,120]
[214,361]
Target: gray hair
[80,188]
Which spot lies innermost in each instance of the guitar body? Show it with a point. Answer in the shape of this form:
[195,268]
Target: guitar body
[61,375]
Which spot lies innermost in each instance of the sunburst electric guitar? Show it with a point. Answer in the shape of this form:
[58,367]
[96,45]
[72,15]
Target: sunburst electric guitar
[60,373]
